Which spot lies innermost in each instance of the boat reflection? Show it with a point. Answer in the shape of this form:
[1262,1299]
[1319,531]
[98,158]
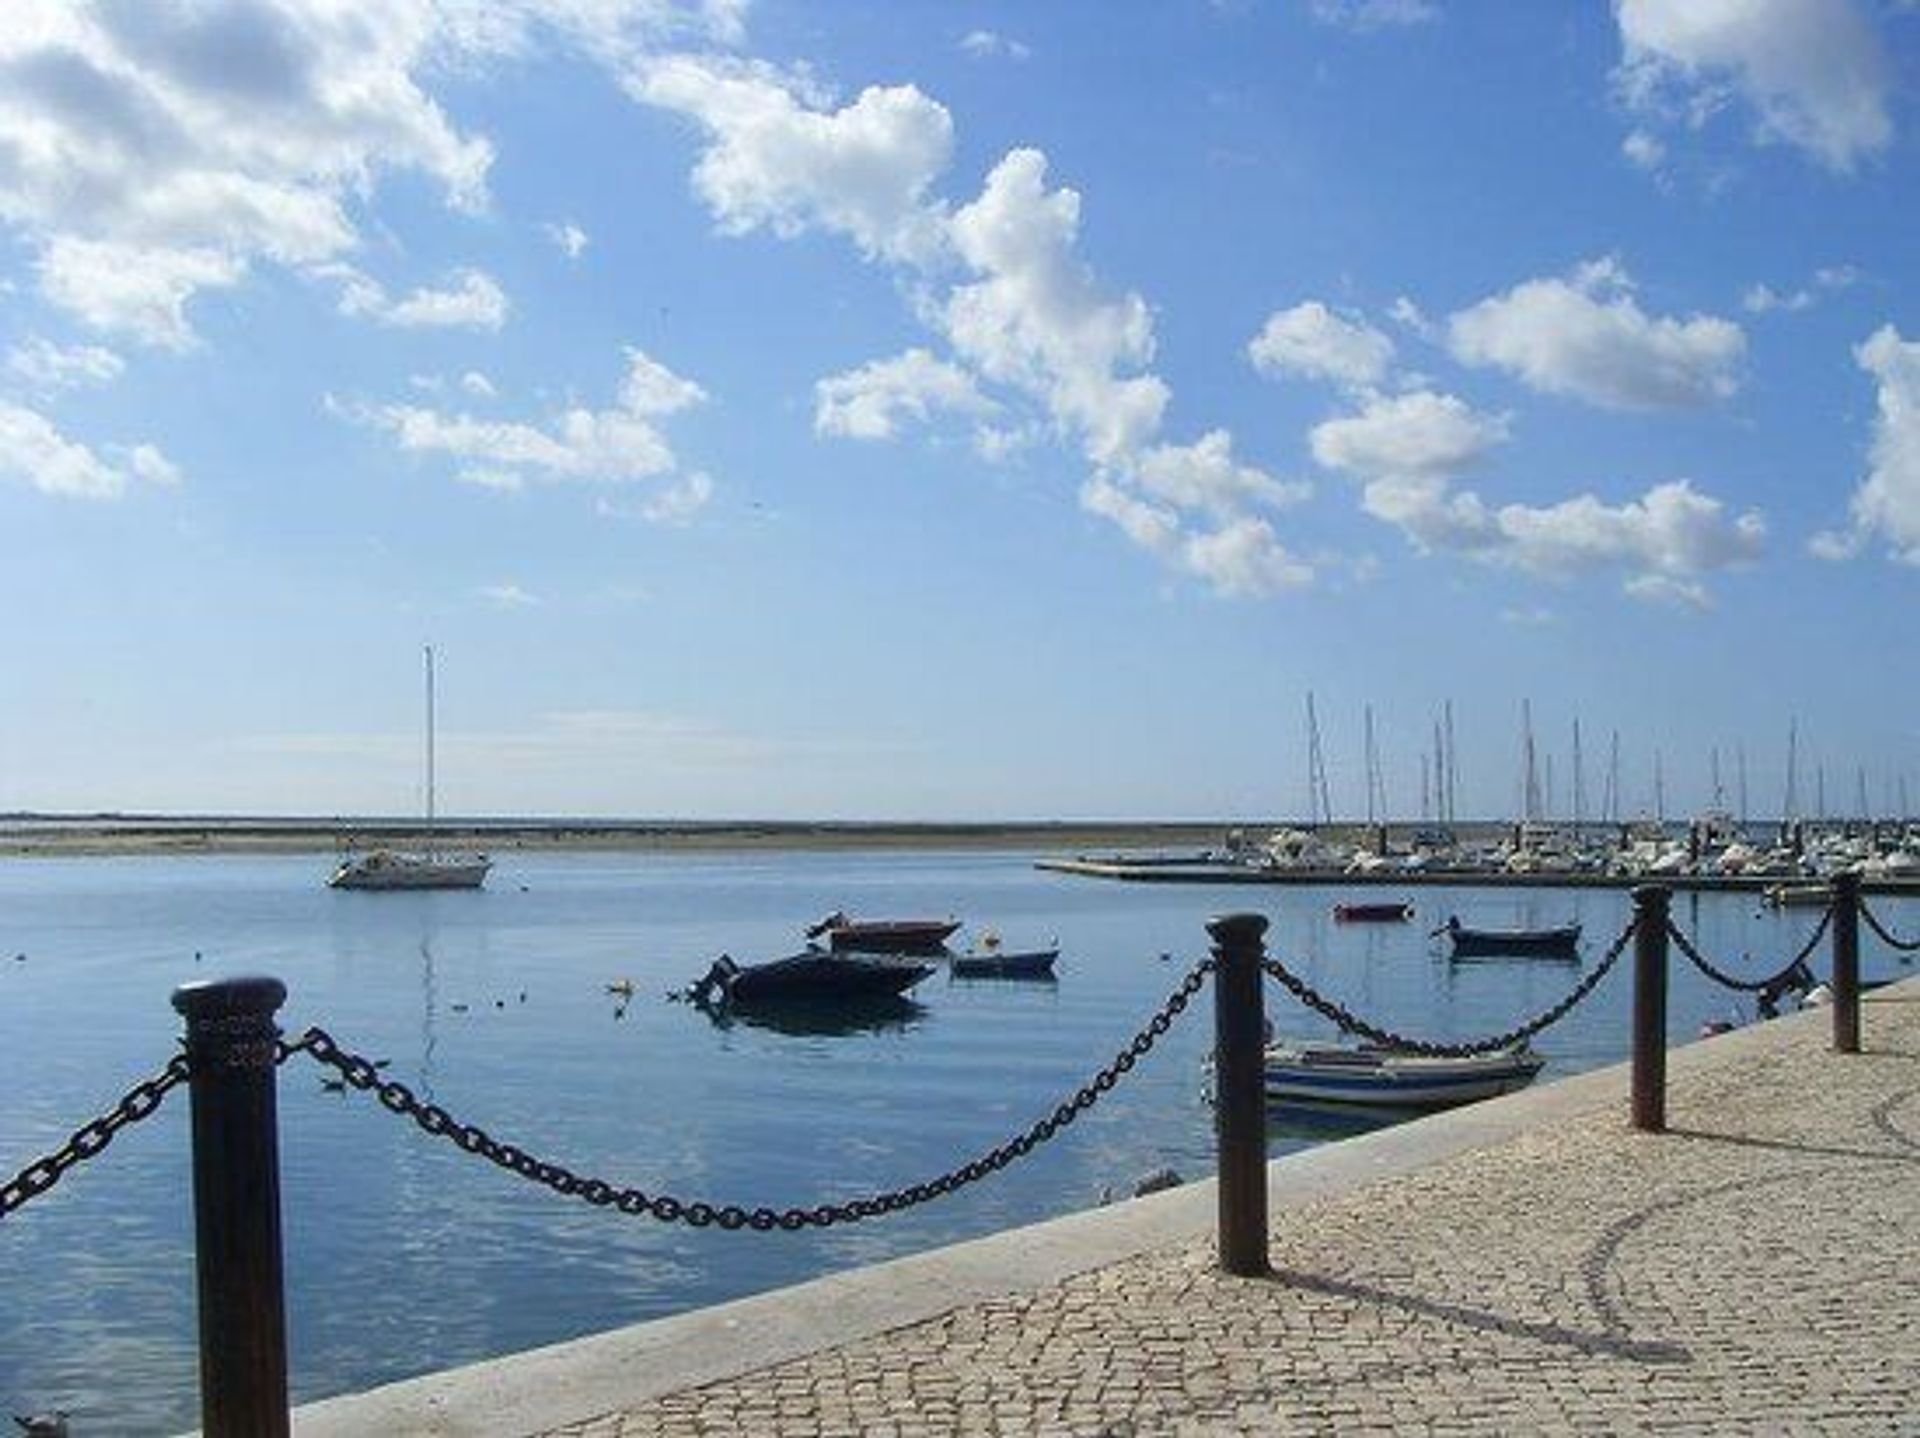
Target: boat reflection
[820,1018]
[1321,1122]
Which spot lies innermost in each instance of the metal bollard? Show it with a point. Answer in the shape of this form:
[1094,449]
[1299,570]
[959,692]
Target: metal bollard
[1846,963]
[1240,1090]
[1650,1008]
[231,1039]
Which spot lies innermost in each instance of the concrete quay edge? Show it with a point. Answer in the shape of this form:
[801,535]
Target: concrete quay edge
[546,1388]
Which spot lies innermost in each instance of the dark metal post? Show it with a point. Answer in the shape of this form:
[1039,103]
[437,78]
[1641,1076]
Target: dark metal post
[1846,963]
[1240,1090]
[1650,1008]
[231,1048]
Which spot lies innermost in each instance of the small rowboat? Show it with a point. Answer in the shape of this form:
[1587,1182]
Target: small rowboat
[1562,942]
[1373,913]
[1004,964]
[883,936]
[1389,1078]
[1797,896]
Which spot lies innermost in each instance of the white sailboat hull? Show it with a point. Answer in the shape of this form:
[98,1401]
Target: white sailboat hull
[386,870]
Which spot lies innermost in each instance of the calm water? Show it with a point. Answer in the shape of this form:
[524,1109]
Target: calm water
[405,1255]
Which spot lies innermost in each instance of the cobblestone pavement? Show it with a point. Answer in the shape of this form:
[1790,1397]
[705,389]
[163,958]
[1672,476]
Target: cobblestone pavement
[1756,1269]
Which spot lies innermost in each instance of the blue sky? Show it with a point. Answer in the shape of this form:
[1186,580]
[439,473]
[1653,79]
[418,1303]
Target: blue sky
[954,411]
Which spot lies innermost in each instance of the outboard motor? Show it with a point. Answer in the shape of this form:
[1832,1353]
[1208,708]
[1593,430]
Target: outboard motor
[713,987]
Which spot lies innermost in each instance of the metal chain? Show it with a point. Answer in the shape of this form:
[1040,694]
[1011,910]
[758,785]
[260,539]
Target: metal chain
[1751,986]
[1351,1023]
[90,1139]
[397,1098]
[1906,946]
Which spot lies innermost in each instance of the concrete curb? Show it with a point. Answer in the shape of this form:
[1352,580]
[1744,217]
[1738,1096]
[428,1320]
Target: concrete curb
[568,1383]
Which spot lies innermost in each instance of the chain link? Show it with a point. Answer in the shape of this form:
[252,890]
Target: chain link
[1905,946]
[397,1098]
[1793,969]
[90,1139]
[1352,1023]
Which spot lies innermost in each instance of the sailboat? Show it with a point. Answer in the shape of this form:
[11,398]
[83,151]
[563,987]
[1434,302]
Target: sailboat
[392,869]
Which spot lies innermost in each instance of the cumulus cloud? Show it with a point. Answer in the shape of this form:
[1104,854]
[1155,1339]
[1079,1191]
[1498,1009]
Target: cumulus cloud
[1812,71]
[779,158]
[1644,150]
[1421,433]
[509,596]
[1314,342]
[156,150]
[43,366]
[1586,336]
[1035,342]
[617,445]
[872,402]
[34,452]
[1887,503]
[471,299]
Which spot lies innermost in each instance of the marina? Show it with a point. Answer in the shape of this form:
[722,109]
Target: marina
[537,1007]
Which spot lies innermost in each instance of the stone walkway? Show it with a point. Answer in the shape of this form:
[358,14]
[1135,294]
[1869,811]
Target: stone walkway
[1755,1269]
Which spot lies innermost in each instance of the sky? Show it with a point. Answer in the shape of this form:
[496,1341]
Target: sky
[961,411]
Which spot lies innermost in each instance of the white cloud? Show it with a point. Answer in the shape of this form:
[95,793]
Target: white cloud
[1244,557]
[616,445]
[988,44]
[1887,503]
[781,160]
[1154,527]
[34,452]
[1314,342]
[1644,150]
[1813,71]
[1763,299]
[186,141]
[1421,433]
[1587,337]
[680,501]
[568,238]
[1663,542]
[478,385]
[44,366]
[871,402]
[472,299]
[1036,318]
[1205,476]
[1365,15]
[131,290]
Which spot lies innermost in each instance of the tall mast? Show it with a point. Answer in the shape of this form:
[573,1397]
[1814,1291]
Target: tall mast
[1789,809]
[1741,757]
[429,651]
[1719,794]
[1579,782]
[1659,790]
[1613,777]
[1860,778]
[1319,803]
[1453,771]
[1530,788]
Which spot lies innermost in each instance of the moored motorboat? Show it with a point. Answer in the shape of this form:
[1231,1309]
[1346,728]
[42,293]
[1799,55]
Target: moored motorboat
[1797,896]
[883,936]
[1560,942]
[1373,913]
[1390,1078]
[1004,964]
[815,976]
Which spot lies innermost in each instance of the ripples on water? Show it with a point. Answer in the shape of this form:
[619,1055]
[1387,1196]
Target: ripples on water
[404,1255]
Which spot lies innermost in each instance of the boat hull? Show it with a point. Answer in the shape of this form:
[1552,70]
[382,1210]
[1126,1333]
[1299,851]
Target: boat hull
[1028,964]
[816,976]
[891,936]
[387,872]
[1372,913]
[1560,943]
[1382,1080]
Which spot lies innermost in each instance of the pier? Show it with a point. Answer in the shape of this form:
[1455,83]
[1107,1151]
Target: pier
[1527,1264]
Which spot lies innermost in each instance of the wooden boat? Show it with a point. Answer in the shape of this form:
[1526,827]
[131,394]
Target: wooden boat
[1373,913]
[1562,942]
[814,975]
[1004,964]
[1389,1078]
[883,936]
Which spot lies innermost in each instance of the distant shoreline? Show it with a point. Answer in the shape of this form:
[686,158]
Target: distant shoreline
[32,836]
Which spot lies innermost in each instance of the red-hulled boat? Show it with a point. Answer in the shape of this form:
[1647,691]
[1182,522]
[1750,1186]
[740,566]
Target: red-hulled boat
[883,936]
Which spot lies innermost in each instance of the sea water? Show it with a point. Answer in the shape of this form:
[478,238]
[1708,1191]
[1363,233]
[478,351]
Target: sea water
[405,1255]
